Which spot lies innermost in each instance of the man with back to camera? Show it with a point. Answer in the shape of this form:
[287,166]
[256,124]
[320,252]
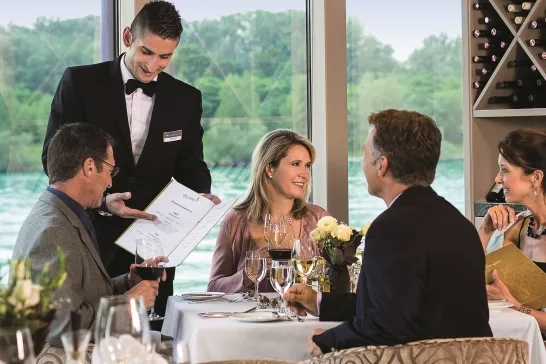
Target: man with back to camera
[422,273]
[154,118]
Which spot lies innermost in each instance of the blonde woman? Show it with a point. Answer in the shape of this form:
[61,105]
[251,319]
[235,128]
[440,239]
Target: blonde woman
[279,185]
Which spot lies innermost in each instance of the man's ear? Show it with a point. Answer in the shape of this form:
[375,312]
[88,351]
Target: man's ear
[383,165]
[89,167]
[127,37]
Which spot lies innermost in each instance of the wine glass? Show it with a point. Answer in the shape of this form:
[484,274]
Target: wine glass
[122,330]
[279,247]
[304,258]
[75,345]
[281,278]
[16,346]
[255,269]
[150,265]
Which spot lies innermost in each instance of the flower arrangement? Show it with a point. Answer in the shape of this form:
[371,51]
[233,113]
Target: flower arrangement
[26,300]
[338,241]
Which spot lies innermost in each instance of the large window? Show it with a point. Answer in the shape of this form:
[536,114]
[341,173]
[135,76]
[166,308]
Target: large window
[249,60]
[38,40]
[396,59]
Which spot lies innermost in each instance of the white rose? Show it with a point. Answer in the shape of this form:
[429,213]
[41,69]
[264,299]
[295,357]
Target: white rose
[365,228]
[343,232]
[25,293]
[317,235]
[327,224]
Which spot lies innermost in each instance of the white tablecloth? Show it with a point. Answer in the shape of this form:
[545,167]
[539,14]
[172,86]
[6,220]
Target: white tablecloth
[513,324]
[226,339]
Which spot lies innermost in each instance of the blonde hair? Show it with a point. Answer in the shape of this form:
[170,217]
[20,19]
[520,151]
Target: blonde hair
[270,150]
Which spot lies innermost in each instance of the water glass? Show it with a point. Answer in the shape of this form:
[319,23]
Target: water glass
[255,269]
[282,278]
[16,346]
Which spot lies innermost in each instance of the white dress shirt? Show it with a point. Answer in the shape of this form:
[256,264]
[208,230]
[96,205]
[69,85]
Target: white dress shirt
[139,113]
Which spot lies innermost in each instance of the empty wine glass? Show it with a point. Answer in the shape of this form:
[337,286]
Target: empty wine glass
[255,269]
[150,265]
[304,258]
[122,329]
[75,345]
[281,278]
[16,346]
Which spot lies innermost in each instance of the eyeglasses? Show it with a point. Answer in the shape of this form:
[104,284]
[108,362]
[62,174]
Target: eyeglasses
[114,171]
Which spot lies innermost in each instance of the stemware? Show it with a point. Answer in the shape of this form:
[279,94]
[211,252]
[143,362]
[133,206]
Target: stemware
[150,266]
[16,346]
[255,269]
[75,345]
[282,278]
[122,329]
[304,258]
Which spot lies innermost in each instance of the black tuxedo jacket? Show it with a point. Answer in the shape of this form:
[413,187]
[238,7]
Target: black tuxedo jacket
[95,94]
[422,278]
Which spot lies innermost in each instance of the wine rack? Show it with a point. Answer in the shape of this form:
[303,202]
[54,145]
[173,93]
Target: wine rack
[504,83]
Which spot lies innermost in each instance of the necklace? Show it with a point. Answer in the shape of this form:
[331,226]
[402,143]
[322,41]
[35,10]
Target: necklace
[530,232]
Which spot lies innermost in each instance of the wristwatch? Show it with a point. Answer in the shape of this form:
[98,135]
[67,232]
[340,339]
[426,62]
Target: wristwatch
[102,210]
[524,309]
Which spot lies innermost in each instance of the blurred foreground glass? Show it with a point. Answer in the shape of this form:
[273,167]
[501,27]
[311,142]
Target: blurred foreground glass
[174,352]
[16,346]
[75,345]
[122,330]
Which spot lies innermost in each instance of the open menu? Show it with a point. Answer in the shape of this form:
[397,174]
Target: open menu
[525,280]
[184,218]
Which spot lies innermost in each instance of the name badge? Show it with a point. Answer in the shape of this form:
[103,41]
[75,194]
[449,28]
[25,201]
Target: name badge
[172,136]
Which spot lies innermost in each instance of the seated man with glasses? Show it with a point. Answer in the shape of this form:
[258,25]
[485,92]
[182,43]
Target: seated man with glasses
[81,166]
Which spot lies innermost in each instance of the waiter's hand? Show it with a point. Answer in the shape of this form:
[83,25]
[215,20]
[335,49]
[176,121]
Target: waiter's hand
[115,204]
[213,198]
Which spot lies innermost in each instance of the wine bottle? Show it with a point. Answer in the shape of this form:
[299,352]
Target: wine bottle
[487,70]
[478,85]
[514,8]
[495,58]
[517,100]
[485,20]
[480,33]
[495,194]
[519,19]
[496,32]
[543,55]
[519,63]
[480,6]
[536,42]
[482,59]
[536,24]
[527,5]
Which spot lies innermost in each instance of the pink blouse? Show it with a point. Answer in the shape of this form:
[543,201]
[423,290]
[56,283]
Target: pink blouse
[234,240]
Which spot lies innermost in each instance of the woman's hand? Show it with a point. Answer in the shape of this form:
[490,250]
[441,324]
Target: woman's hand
[498,218]
[499,291]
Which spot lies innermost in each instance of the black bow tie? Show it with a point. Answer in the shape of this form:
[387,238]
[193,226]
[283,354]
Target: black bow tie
[148,88]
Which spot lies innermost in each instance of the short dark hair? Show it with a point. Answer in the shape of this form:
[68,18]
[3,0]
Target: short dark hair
[72,144]
[410,141]
[158,17]
[525,148]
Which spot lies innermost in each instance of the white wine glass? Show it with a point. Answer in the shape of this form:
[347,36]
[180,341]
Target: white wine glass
[282,278]
[304,258]
[255,269]
[149,259]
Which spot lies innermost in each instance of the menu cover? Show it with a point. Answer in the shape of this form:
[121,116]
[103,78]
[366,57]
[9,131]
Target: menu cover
[525,280]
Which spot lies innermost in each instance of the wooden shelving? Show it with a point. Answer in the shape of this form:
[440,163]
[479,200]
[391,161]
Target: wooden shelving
[493,110]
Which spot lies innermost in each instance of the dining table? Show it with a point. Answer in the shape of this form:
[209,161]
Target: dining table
[226,337]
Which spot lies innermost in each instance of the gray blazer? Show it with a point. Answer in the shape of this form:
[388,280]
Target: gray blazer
[52,223]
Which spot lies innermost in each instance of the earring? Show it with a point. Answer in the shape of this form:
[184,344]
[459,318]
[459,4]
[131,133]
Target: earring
[270,176]
[535,193]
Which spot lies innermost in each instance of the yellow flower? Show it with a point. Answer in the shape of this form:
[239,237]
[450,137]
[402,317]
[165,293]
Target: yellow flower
[343,232]
[327,224]
[317,234]
[365,228]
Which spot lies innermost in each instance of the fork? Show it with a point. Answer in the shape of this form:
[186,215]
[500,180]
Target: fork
[236,299]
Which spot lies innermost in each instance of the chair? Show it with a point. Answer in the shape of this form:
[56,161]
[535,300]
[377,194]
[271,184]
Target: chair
[445,351]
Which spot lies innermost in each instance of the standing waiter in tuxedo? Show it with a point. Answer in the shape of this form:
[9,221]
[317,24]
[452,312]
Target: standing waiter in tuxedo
[155,119]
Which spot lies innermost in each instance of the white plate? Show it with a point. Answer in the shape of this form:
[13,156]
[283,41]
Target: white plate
[198,296]
[498,304]
[255,317]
